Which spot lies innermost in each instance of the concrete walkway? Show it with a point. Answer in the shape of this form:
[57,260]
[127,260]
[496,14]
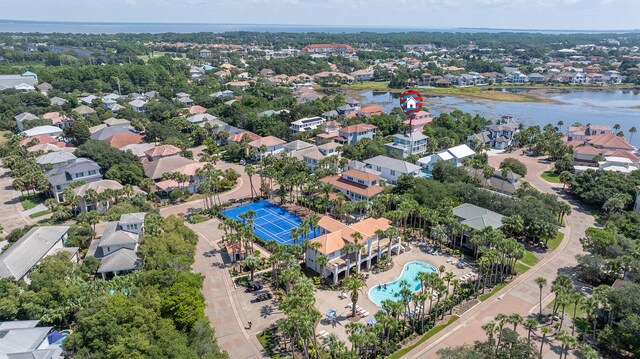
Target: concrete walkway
[521,295]
[10,209]
[228,308]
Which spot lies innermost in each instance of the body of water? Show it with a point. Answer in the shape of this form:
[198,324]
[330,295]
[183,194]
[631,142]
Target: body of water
[597,107]
[154,28]
[392,289]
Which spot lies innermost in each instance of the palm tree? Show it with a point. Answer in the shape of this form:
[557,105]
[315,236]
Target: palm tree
[250,171]
[632,131]
[577,298]
[560,124]
[565,177]
[541,282]
[336,347]
[616,126]
[544,331]
[252,263]
[505,175]
[530,324]
[353,285]
[567,341]
[515,319]
[487,173]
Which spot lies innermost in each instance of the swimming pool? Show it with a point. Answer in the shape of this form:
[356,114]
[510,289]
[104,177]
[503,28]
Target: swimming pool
[409,273]
[427,173]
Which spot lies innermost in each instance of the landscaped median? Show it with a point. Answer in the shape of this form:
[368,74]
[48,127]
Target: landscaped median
[433,331]
[554,243]
[550,177]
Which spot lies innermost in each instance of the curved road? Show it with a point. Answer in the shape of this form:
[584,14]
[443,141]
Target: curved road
[522,294]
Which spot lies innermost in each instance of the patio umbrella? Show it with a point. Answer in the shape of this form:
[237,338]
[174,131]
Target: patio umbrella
[331,313]
[371,321]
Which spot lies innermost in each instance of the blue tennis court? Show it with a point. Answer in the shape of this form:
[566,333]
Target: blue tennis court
[272,223]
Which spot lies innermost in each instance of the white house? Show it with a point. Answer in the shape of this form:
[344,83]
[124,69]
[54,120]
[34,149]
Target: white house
[404,145]
[269,145]
[391,169]
[38,243]
[46,130]
[307,124]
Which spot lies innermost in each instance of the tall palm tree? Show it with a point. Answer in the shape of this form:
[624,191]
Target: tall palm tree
[632,131]
[616,126]
[577,298]
[530,324]
[250,171]
[252,263]
[544,331]
[353,285]
[336,347]
[541,282]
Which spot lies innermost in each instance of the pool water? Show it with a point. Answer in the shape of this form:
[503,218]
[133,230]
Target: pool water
[409,274]
[427,173]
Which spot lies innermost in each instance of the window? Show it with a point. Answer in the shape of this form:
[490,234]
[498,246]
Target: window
[92,172]
[361,181]
[378,168]
[79,174]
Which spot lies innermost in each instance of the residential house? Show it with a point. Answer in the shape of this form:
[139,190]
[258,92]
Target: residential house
[156,169]
[498,136]
[311,156]
[584,155]
[138,149]
[346,110]
[242,135]
[404,145]
[354,133]
[363,75]
[329,148]
[88,99]
[618,164]
[57,101]
[102,204]
[370,110]
[204,53]
[355,184]
[239,85]
[102,132]
[11,81]
[138,105]
[83,110]
[25,339]
[454,155]
[391,169]
[518,78]
[124,139]
[158,152]
[83,169]
[38,243]
[201,117]
[307,124]
[334,235]
[609,141]
[506,185]
[112,121]
[117,249]
[536,78]
[328,49]
[267,72]
[58,119]
[421,119]
[580,133]
[21,118]
[296,145]
[477,219]
[55,159]
[269,145]
[46,130]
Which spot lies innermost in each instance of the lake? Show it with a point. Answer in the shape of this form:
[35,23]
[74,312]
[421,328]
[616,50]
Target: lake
[597,107]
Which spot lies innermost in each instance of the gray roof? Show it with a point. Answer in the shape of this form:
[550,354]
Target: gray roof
[393,164]
[509,126]
[116,121]
[201,117]
[10,81]
[83,110]
[477,217]
[297,145]
[121,260]
[155,169]
[114,236]
[25,116]
[231,130]
[107,132]
[130,218]
[62,175]
[415,136]
[55,158]
[18,260]
[57,101]
[138,149]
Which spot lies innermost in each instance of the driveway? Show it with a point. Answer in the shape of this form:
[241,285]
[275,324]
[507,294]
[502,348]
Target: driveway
[229,308]
[521,295]
[10,208]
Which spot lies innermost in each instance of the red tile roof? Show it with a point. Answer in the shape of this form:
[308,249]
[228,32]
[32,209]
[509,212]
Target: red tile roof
[609,141]
[361,127]
[238,136]
[123,139]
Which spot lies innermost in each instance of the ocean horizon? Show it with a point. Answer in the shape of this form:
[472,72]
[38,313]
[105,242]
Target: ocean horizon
[28,26]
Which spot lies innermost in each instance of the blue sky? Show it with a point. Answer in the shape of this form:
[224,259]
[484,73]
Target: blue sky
[516,14]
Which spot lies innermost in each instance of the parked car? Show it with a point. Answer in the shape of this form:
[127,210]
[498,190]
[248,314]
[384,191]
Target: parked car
[253,286]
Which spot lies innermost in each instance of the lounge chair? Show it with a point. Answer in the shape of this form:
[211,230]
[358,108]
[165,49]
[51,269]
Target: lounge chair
[323,333]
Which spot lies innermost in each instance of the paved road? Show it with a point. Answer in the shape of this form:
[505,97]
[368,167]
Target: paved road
[10,208]
[522,294]
[241,190]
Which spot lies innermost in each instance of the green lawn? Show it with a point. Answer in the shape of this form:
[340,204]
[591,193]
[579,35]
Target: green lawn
[29,201]
[555,242]
[39,214]
[550,176]
[156,54]
[529,259]
[496,289]
[580,313]
[435,330]
[265,337]
[521,268]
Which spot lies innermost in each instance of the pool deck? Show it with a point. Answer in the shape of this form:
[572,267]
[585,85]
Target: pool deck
[326,299]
